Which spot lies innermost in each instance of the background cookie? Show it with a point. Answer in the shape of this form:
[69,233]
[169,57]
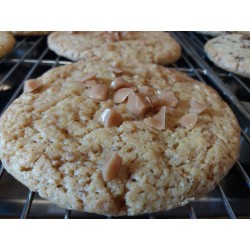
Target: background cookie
[30,33]
[230,52]
[52,140]
[220,33]
[7,42]
[153,47]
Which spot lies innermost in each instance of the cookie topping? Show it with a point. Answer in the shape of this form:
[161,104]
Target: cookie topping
[111,166]
[189,120]
[111,118]
[90,83]
[173,112]
[158,120]
[168,98]
[122,94]
[89,76]
[31,85]
[116,70]
[99,92]
[137,105]
[144,90]
[120,82]
[197,107]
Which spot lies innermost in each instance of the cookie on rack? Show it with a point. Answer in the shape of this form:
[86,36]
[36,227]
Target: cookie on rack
[118,140]
[7,43]
[151,47]
[220,33]
[231,53]
[30,33]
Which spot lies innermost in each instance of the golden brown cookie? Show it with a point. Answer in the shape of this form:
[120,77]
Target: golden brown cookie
[151,47]
[124,140]
[7,43]
[230,52]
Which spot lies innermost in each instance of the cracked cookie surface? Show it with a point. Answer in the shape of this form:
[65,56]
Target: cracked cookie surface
[52,141]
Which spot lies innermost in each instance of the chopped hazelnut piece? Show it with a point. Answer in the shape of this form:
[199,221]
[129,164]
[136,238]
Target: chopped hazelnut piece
[122,94]
[137,105]
[189,120]
[158,120]
[89,76]
[99,92]
[31,85]
[168,98]
[111,166]
[197,107]
[111,118]
[116,70]
[90,83]
[119,83]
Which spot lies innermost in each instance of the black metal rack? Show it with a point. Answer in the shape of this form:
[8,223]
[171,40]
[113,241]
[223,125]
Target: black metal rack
[230,199]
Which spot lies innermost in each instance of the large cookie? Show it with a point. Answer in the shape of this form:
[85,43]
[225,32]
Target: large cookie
[7,42]
[151,47]
[87,147]
[230,52]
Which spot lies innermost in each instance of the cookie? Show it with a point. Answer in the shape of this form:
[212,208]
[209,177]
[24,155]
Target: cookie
[118,141]
[7,43]
[151,47]
[220,33]
[231,53]
[30,33]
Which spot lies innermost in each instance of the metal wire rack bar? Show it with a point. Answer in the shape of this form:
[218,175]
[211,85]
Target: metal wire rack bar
[192,214]
[245,136]
[1,170]
[20,61]
[20,87]
[243,174]
[226,204]
[67,214]
[34,61]
[27,205]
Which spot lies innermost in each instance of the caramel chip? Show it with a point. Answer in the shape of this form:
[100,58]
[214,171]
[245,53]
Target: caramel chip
[137,105]
[99,92]
[89,76]
[168,98]
[173,112]
[157,121]
[111,166]
[197,107]
[31,85]
[122,94]
[119,83]
[111,118]
[90,83]
[189,120]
